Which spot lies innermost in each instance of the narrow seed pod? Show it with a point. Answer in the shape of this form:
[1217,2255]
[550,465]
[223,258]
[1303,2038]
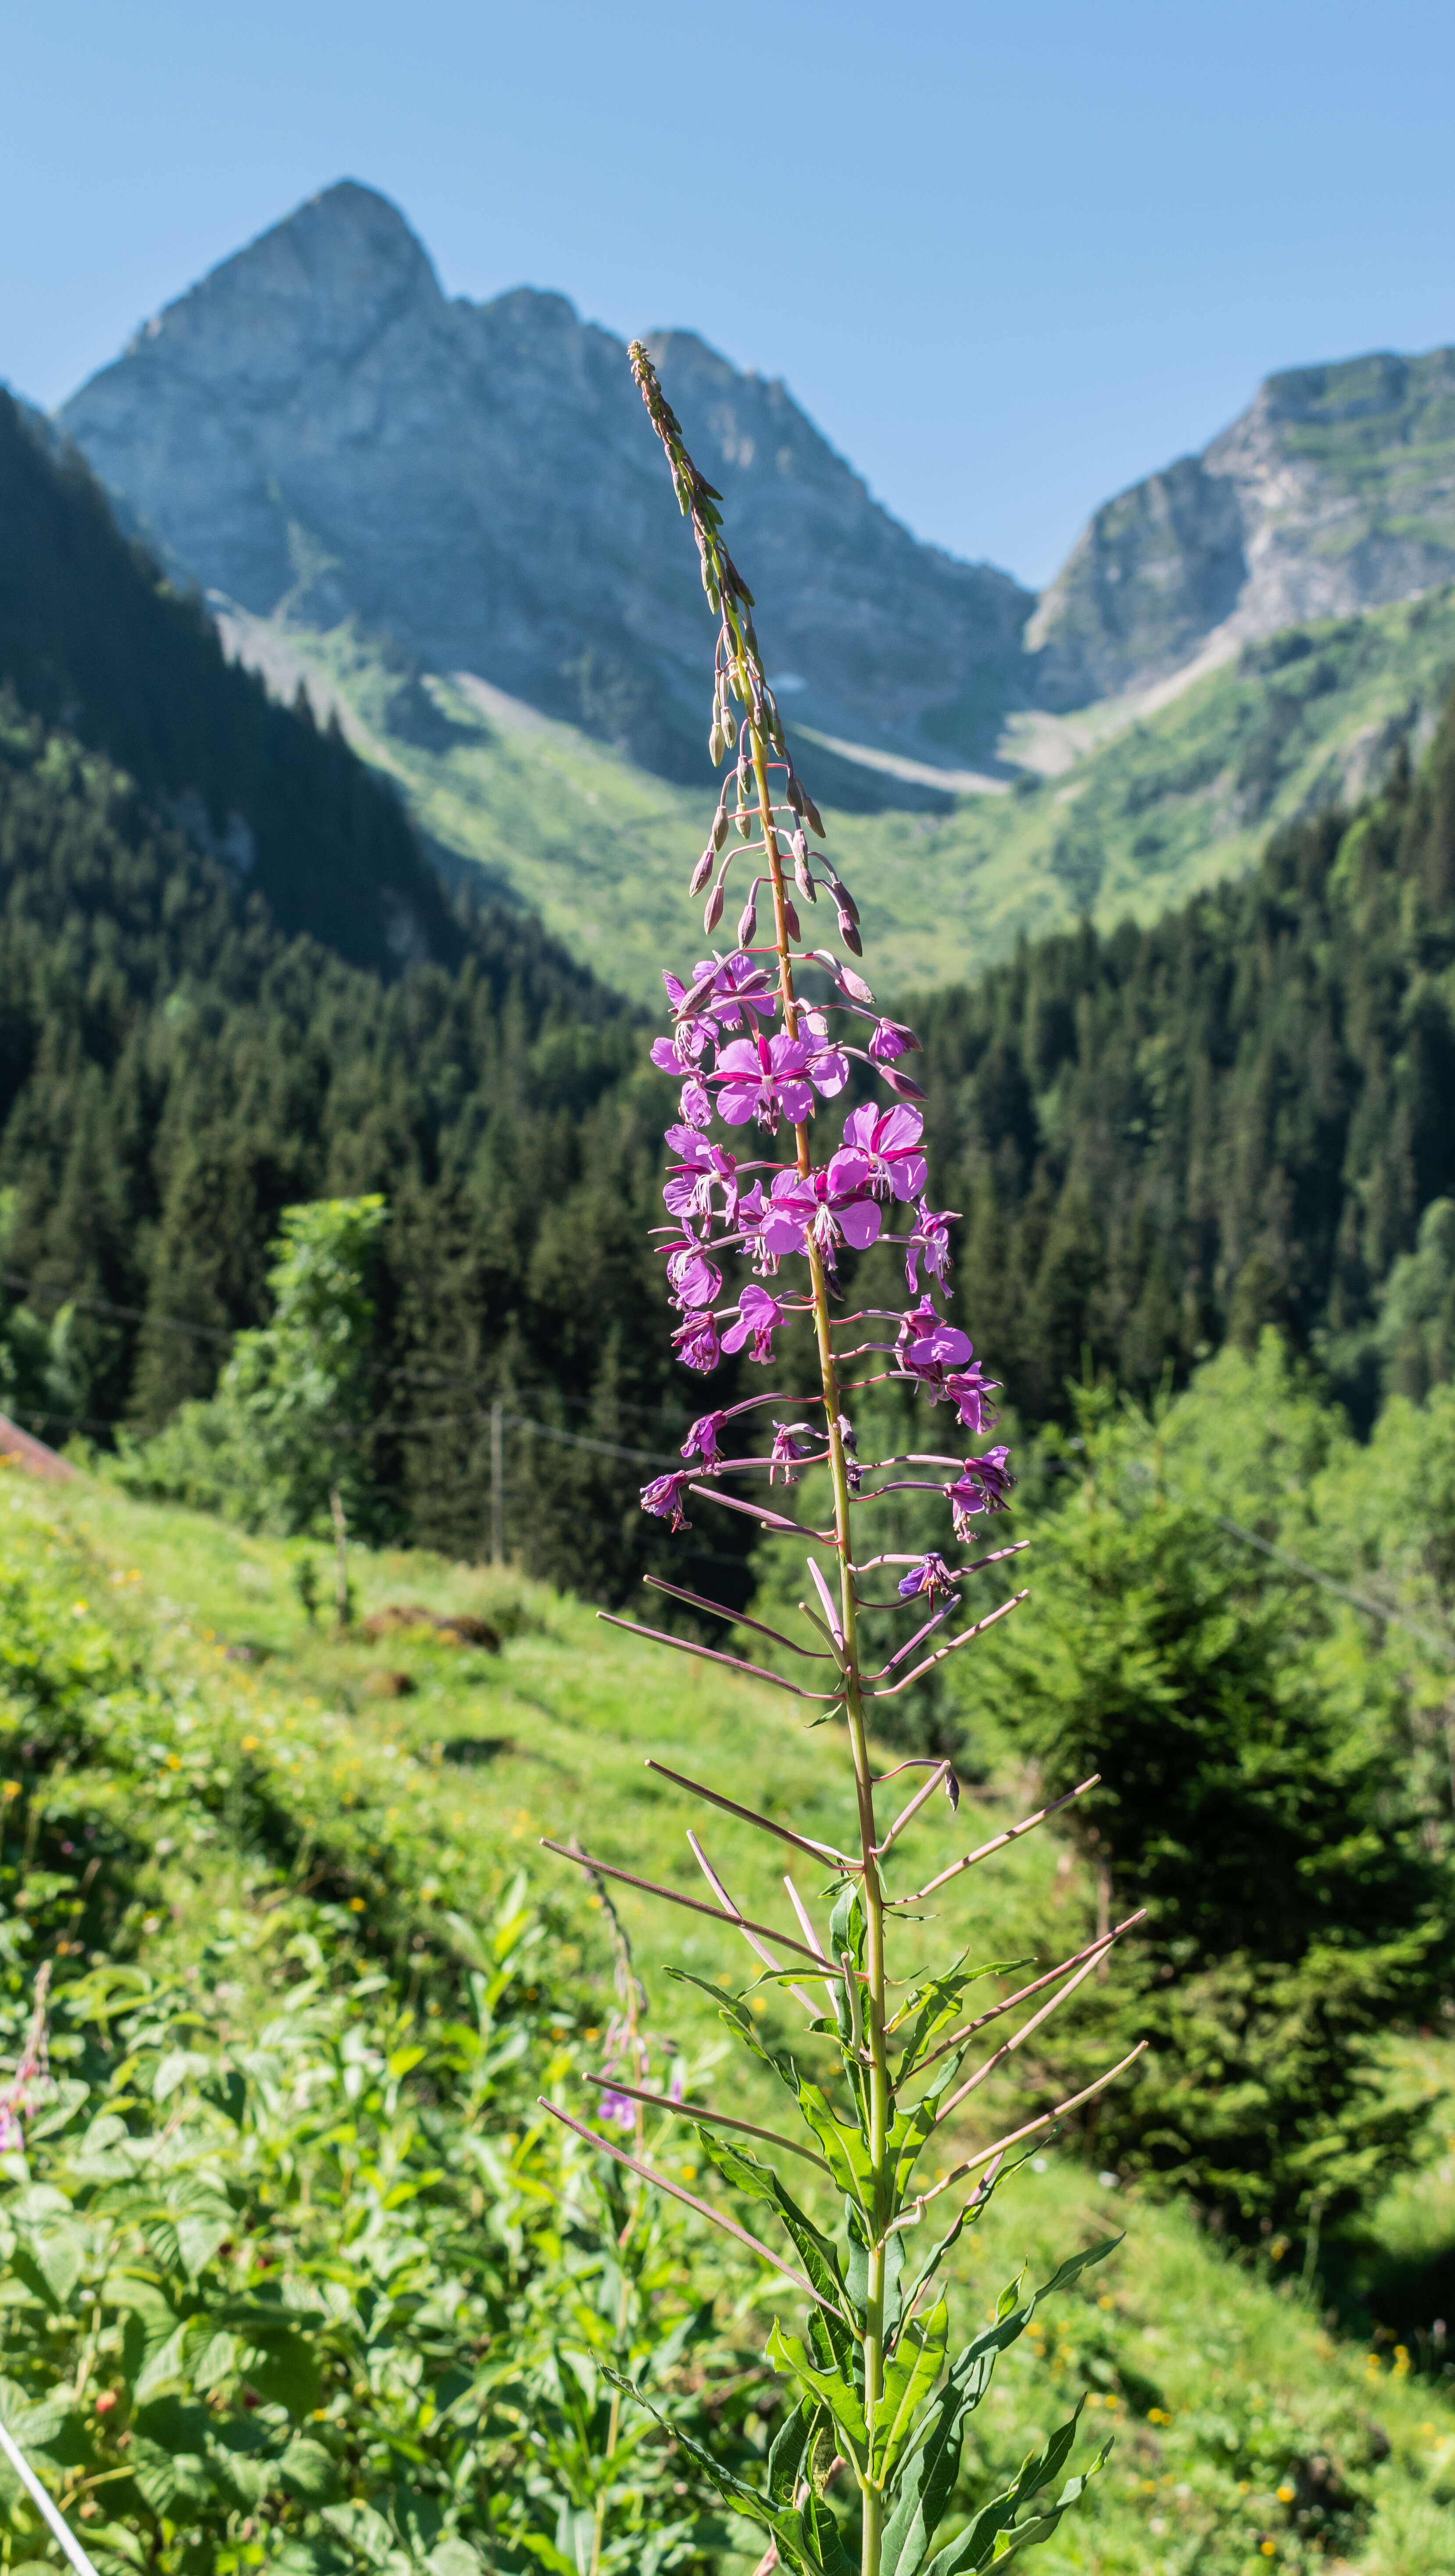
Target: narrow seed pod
[748,921]
[854,985]
[702,871]
[848,932]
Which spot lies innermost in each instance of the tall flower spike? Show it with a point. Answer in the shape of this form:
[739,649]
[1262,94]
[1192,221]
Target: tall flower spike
[871,2372]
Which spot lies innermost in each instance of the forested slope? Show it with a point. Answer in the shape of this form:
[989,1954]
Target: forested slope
[93,639]
[1235,1117]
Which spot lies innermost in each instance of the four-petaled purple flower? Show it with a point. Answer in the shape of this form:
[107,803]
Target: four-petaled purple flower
[698,1344]
[723,989]
[769,1078]
[929,1347]
[663,1496]
[829,1206]
[981,1486]
[701,1440]
[759,1315]
[791,1441]
[933,1240]
[890,1139]
[931,1576]
[692,1280]
[703,1168]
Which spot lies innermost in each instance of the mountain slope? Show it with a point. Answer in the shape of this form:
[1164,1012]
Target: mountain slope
[92,639]
[1125,825]
[1333,492]
[317,432]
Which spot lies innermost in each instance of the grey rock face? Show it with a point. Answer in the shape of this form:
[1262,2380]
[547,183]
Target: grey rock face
[316,431]
[1334,492]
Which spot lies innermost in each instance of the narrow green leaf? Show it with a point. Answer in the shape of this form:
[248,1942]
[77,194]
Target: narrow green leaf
[789,2353]
[733,2011]
[913,2368]
[937,2004]
[795,2541]
[848,2156]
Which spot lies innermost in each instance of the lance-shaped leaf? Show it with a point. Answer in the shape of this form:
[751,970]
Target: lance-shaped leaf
[929,2467]
[849,2159]
[790,2448]
[914,2126]
[993,2537]
[835,2390]
[819,2259]
[796,2543]
[912,2371]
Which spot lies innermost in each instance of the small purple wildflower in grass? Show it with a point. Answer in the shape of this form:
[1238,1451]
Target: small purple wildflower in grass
[663,1496]
[982,1486]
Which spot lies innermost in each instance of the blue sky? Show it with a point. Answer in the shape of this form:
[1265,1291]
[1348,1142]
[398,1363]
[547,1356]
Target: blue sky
[1010,258]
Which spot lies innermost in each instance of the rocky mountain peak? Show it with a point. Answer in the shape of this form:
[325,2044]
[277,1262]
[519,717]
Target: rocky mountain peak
[318,434]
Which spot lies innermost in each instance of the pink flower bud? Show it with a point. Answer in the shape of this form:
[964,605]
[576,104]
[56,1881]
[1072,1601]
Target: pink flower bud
[854,985]
[901,1083]
[702,871]
[791,918]
[849,934]
[712,911]
[748,921]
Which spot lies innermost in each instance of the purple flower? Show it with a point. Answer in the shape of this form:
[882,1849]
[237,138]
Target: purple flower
[933,1240]
[695,1104]
[765,1078]
[692,1280]
[967,1390]
[701,1440]
[982,1486]
[890,1139]
[697,1344]
[729,989]
[618,2108]
[791,1441]
[929,1347]
[704,1166]
[830,1206]
[759,1315]
[663,1496]
[931,1576]
[891,1039]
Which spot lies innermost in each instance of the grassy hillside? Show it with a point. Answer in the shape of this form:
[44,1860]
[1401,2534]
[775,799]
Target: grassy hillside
[1248,2434]
[1137,810]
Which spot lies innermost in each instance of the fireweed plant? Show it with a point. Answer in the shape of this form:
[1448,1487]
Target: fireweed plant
[876,2391]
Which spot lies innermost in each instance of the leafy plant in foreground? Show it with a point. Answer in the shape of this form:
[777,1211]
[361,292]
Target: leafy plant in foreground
[877,2392]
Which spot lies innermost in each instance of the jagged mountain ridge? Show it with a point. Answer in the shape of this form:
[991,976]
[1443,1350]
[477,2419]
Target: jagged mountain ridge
[317,432]
[1334,492]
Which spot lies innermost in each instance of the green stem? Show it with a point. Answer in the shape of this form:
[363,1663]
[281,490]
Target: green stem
[872,1891]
